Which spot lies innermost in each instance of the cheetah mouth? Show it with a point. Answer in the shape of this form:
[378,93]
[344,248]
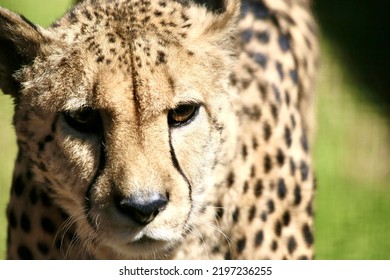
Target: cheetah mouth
[143,248]
[145,240]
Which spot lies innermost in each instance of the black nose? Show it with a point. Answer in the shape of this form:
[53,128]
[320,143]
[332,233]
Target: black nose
[142,209]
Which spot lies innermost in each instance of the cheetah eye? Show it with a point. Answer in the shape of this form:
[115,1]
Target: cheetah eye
[86,120]
[182,114]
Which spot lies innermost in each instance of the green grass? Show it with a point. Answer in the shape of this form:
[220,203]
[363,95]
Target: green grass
[351,156]
[352,164]
[7,156]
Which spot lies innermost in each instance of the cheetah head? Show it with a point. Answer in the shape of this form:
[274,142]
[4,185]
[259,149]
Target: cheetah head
[124,114]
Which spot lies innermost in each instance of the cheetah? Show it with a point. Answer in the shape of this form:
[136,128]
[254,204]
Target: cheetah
[162,129]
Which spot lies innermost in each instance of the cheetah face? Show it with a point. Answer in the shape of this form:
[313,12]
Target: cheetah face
[124,122]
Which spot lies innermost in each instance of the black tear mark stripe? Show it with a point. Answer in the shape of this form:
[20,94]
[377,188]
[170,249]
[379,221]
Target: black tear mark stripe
[181,172]
[87,198]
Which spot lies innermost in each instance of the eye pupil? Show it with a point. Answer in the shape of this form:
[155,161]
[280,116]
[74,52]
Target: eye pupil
[86,120]
[83,116]
[182,114]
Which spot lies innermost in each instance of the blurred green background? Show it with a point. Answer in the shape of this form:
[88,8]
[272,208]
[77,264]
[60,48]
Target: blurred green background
[352,151]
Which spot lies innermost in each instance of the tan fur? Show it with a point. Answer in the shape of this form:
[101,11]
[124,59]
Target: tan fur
[133,62]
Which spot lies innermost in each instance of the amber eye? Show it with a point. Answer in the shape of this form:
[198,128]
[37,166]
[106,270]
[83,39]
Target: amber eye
[182,114]
[86,120]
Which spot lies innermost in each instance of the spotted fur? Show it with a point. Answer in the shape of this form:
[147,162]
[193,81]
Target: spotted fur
[106,171]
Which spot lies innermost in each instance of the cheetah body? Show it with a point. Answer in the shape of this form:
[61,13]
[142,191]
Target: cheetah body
[201,112]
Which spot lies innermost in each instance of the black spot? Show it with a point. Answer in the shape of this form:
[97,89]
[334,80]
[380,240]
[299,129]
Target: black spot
[271,206]
[304,142]
[293,122]
[246,35]
[276,90]
[263,90]
[286,218]
[216,249]
[219,211]
[48,225]
[158,13]
[230,179]
[287,136]
[259,238]
[45,199]
[258,188]
[309,209]
[53,127]
[297,195]
[267,163]
[287,97]
[259,10]
[264,216]
[100,58]
[260,59]
[244,151]
[278,228]
[255,144]
[274,245]
[228,256]
[43,248]
[282,189]
[63,214]
[33,196]
[161,57]
[304,170]
[25,223]
[303,258]
[12,219]
[284,42]
[263,37]
[48,138]
[246,187]
[280,158]
[252,213]
[267,131]
[41,146]
[24,253]
[274,112]
[41,166]
[236,215]
[254,112]
[145,20]
[308,43]
[72,16]
[18,185]
[292,167]
[87,14]
[279,68]
[294,76]
[241,245]
[307,234]
[291,245]
[253,171]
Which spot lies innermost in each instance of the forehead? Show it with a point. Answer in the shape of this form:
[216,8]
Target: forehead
[123,52]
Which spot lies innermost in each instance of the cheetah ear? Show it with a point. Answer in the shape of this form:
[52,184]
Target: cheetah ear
[217,20]
[20,42]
